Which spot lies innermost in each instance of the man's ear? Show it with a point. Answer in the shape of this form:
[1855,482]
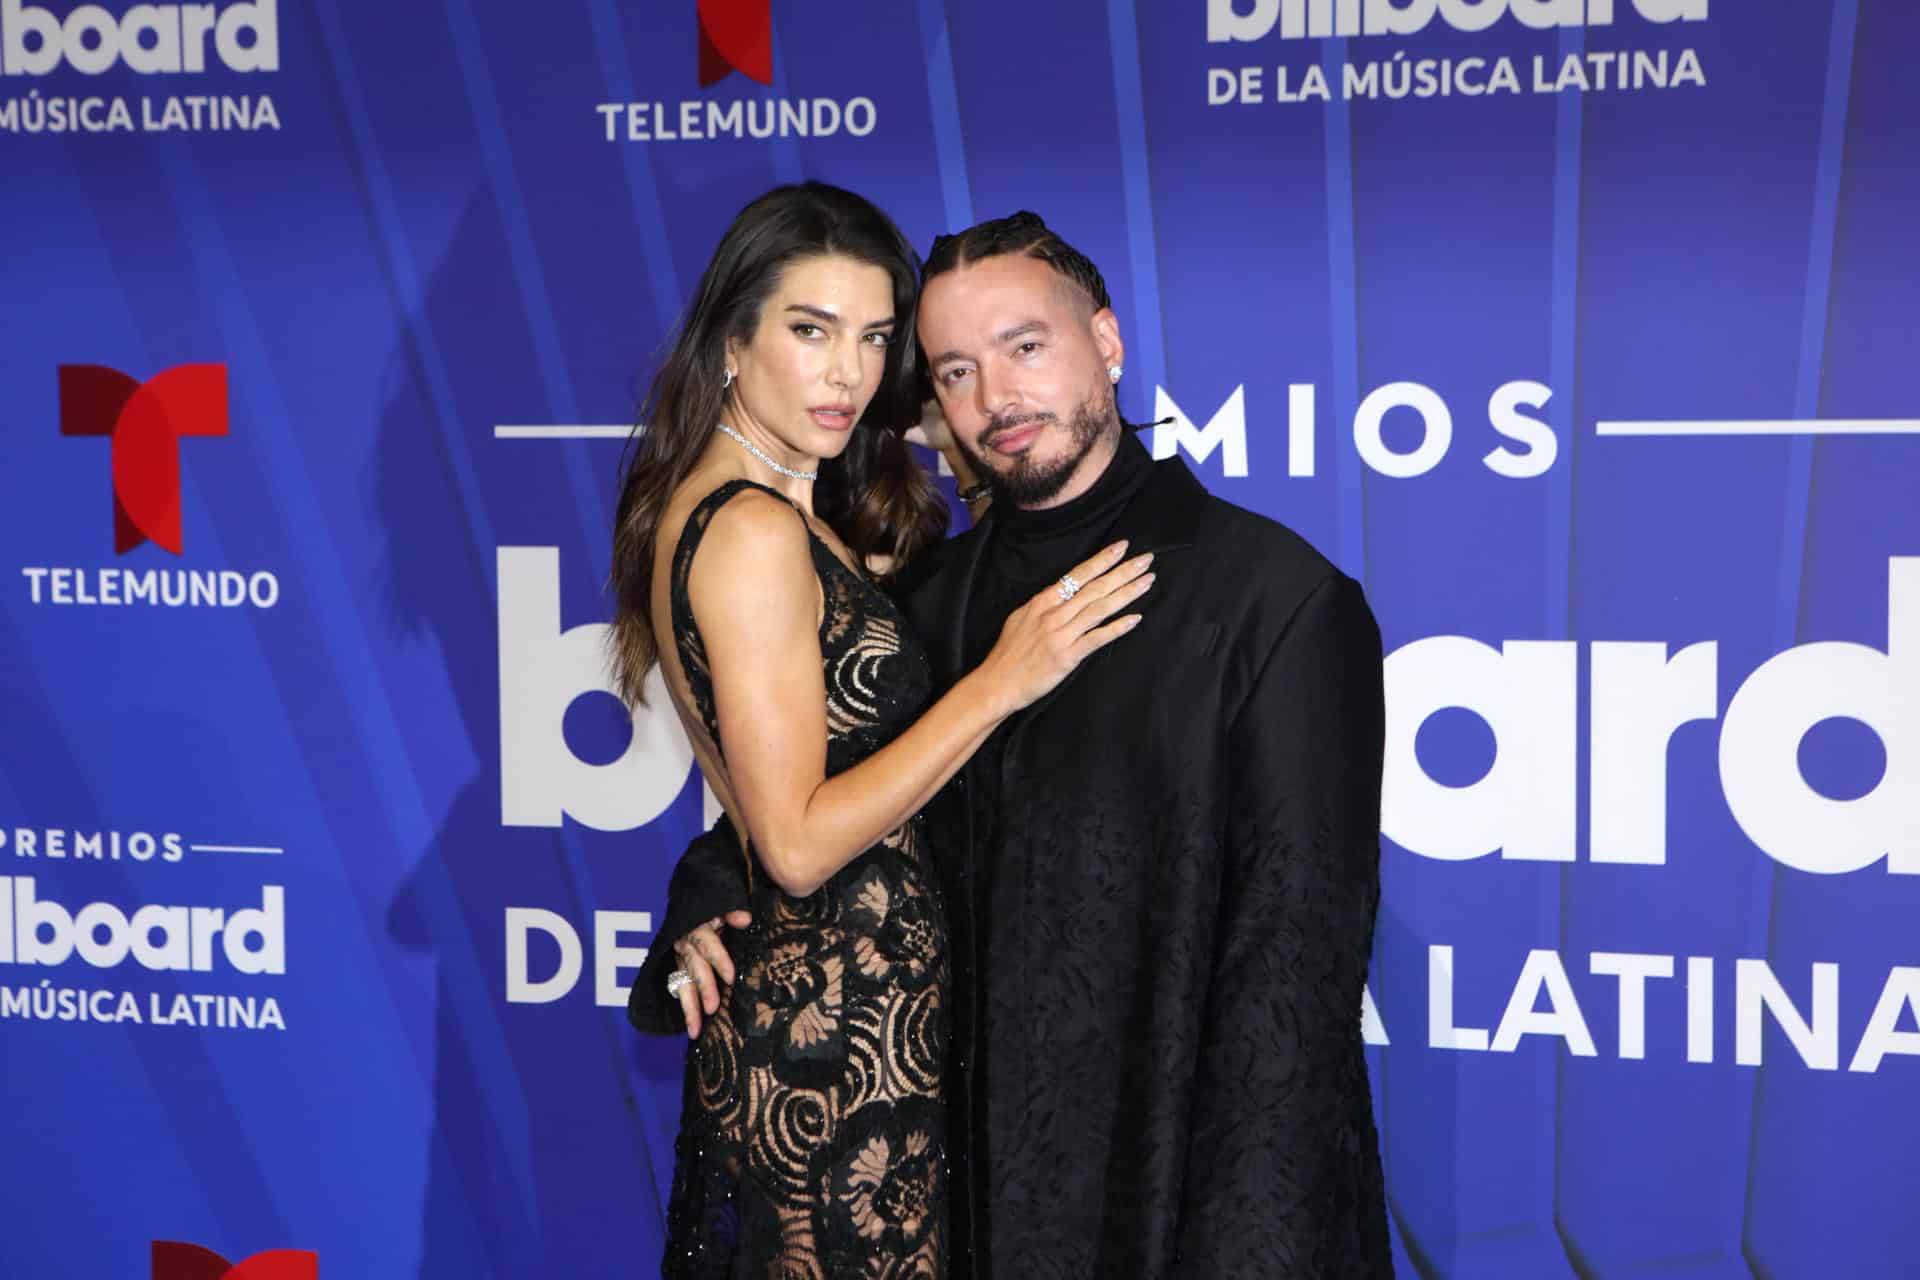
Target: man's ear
[1106,337]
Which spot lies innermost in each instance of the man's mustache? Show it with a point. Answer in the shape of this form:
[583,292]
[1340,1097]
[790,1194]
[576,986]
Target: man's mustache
[1000,426]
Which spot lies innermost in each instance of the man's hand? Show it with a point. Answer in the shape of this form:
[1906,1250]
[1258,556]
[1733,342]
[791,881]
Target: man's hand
[703,955]
[935,433]
[932,431]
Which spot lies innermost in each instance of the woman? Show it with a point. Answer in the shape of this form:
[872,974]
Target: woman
[812,1129]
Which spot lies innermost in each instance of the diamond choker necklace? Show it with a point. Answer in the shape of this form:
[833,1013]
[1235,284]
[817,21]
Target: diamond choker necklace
[756,451]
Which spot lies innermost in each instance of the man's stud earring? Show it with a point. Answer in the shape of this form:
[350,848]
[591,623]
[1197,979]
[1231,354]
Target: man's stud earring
[1113,373]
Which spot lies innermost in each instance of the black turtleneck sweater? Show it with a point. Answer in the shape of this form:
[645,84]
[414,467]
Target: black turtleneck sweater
[1028,550]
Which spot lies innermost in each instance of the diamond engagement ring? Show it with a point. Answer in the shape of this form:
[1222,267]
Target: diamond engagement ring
[677,981]
[1069,586]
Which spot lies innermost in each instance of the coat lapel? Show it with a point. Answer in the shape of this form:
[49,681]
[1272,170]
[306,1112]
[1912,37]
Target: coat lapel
[1166,513]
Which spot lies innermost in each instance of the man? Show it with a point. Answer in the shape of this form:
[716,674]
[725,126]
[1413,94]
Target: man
[1160,880]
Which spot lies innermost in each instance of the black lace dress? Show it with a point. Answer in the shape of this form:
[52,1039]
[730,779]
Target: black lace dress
[812,1131]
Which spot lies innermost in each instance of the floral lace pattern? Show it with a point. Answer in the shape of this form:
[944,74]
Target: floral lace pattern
[812,1139]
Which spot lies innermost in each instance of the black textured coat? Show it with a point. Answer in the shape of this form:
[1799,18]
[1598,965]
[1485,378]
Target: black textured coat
[1158,1067]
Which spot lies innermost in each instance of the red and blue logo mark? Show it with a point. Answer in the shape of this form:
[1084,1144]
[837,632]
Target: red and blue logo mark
[736,35]
[144,421]
[173,1260]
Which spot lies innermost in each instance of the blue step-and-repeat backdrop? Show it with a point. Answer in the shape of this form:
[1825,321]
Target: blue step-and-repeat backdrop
[1584,332]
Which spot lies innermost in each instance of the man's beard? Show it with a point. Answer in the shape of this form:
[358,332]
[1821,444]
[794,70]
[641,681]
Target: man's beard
[1022,481]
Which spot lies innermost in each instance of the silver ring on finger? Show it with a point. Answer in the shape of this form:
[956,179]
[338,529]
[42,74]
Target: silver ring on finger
[677,981]
[1069,586]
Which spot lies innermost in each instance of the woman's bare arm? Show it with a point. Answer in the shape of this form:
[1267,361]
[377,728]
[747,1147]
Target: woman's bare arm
[756,600]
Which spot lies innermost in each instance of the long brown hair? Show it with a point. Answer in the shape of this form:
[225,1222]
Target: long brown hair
[874,495]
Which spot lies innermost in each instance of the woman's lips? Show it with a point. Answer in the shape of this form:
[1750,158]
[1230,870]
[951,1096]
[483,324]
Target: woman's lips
[833,417]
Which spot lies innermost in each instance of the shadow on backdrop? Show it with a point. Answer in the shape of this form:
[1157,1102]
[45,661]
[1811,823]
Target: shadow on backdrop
[541,1159]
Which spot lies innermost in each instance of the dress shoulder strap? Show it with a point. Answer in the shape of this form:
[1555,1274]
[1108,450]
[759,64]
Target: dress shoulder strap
[686,633]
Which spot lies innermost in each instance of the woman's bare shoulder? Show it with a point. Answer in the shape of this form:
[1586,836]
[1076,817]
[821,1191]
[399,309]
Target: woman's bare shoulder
[754,538]
[753,516]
